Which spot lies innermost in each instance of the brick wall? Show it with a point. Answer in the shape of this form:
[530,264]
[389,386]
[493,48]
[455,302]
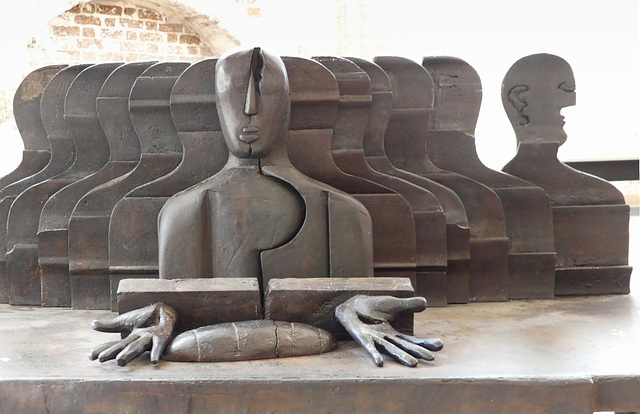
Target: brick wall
[97,32]
[254,7]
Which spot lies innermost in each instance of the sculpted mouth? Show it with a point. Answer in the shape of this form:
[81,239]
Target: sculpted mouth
[249,134]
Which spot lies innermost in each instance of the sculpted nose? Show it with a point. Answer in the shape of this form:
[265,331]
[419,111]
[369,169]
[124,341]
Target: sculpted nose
[251,102]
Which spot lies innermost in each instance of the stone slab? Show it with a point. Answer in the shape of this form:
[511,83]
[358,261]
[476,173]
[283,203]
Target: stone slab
[199,302]
[568,355]
[314,300]
[295,396]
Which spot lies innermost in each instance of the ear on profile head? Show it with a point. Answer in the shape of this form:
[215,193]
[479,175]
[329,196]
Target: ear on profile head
[517,99]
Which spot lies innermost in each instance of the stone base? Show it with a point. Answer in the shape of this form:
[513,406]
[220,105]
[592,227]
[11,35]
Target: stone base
[557,356]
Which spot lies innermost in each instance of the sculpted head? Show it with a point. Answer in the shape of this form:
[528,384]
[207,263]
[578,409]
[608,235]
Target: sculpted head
[252,98]
[457,94]
[534,91]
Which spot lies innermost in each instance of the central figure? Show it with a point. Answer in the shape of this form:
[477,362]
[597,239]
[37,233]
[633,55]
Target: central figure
[259,216]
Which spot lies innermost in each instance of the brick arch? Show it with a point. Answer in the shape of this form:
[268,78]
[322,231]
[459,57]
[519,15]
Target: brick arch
[108,30]
[196,14]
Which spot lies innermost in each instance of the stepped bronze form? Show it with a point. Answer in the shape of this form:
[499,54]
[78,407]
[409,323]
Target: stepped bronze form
[328,194]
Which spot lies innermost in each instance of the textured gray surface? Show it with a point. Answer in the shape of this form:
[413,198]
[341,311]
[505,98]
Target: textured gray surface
[569,355]
[545,355]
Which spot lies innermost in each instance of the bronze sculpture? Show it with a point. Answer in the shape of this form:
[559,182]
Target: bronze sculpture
[24,216]
[589,261]
[258,158]
[227,226]
[89,222]
[348,153]
[133,238]
[406,147]
[451,146]
[98,160]
[457,225]
[263,220]
[37,150]
[320,122]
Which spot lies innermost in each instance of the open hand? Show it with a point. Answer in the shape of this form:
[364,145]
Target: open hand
[367,319]
[146,328]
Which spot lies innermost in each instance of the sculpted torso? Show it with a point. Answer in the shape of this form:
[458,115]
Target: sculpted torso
[249,213]
[259,203]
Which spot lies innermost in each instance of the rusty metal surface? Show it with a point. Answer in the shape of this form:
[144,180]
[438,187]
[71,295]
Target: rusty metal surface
[90,169]
[291,225]
[348,154]
[310,144]
[88,237]
[527,209]
[457,229]
[32,192]
[406,147]
[534,91]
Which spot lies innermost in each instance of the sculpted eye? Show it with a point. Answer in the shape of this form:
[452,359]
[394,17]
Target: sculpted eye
[567,87]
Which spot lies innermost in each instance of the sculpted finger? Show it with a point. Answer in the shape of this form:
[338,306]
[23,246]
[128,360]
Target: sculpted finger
[133,350]
[397,353]
[159,344]
[373,352]
[384,308]
[94,352]
[413,349]
[432,344]
[394,305]
[111,352]
[107,325]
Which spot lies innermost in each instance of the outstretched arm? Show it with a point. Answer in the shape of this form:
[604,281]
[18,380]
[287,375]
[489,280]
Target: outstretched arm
[367,318]
[146,328]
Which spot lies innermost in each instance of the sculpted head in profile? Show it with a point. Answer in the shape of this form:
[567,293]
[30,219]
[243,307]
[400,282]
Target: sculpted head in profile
[253,102]
[534,91]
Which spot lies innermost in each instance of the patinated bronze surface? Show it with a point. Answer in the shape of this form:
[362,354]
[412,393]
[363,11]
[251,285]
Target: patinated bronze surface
[199,302]
[88,238]
[591,260]
[311,139]
[348,154]
[251,219]
[91,168]
[26,112]
[32,192]
[406,146]
[215,155]
[314,300]
[457,228]
[289,222]
[527,209]
[36,154]
[133,237]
